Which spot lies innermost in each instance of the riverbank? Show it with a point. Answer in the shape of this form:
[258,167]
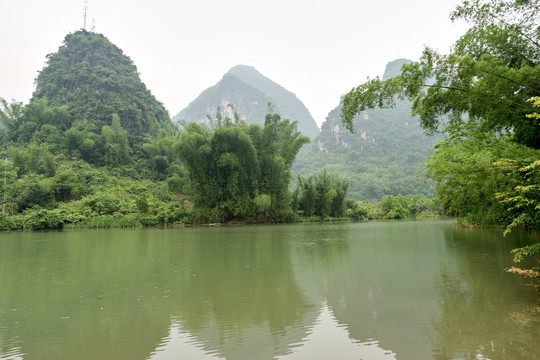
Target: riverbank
[55,219]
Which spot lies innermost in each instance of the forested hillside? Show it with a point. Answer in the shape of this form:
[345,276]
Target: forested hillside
[93,146]
[249,92]
[381,157]
[93,79]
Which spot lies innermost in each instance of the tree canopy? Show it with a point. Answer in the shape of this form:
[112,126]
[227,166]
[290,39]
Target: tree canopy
[241,172]
[481,97]
[486,81]
[484,97]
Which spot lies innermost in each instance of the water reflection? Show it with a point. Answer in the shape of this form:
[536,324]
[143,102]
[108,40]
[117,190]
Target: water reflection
[388,290]
[325,339]
[328,339]
[380,282]
[180,342]
[485,312]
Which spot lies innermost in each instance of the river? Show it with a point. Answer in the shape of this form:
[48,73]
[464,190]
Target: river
[374,291]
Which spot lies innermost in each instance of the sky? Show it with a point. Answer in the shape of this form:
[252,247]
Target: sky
[316,49]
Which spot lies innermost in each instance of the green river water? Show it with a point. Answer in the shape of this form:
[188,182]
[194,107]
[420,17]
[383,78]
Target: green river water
[376,290]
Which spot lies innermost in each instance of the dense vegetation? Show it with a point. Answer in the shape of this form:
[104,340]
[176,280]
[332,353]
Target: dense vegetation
[92,148]
[323,195]
[86,152]
[241,172]
[382,157]
[92,78]
[483,97]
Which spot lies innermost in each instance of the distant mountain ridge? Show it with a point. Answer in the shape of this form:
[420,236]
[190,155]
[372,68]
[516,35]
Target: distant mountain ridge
[383,155]
[249,92]
[393,68]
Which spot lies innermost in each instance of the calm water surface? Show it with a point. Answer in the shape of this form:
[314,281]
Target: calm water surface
[377,290]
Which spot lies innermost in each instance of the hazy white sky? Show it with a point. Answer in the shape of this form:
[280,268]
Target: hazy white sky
[316,49]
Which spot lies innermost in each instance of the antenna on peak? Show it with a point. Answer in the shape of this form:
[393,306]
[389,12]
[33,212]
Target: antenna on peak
[85,11]
[93,25]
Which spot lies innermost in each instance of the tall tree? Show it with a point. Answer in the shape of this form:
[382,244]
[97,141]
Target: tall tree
[241,172]
[486,80]
[322,195]
[479,96]
[10,115]
[482,95]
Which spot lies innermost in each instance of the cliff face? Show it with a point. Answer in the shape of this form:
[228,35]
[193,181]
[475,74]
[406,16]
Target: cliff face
[249,92]
[381,157]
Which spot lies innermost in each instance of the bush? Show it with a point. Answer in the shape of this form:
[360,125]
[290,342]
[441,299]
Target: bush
[34,194]
[103,203]
[128,220]
[42,219]
[395,207]
[359,210]
[262,203]
[149,220]
[176,184]
[10,222]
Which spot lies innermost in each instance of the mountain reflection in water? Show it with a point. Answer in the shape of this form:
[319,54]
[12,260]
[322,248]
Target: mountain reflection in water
[413,290]
[325,340]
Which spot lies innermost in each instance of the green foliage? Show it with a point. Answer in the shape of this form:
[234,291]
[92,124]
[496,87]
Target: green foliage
[33,160]
[232,165]
[395,207]
[116,146]
[527,251]
[42,219]
[262,204]
[66,186]
[360,210]
[36,123]
[222,167]
[382,156]
[93,79]
[142,205]
[177,184]
[8,222]
[469,176]
[220,121]
[31,192]
[488,78]
[523,200]
[103,203]
[323,195]
[82,196]
[10,115]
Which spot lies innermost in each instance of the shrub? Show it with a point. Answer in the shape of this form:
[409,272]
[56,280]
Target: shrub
[360,210]
[103,203]
[395,207]
[41,219]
